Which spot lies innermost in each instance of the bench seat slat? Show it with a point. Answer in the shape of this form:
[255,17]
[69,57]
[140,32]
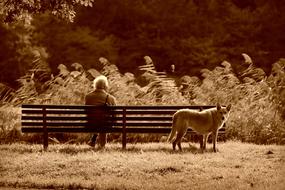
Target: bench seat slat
[62,124]
[84,118]
[108,130]
[54,112]
[63,128]
[83,112]
[71,130]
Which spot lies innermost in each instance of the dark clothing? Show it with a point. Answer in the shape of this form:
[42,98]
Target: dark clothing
[99,97]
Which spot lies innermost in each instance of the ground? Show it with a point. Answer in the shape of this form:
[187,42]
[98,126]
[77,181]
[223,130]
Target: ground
[143,166]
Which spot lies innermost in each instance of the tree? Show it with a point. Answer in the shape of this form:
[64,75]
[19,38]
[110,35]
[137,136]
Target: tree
[17,46]
[190,34]
[11,10]
[67,44]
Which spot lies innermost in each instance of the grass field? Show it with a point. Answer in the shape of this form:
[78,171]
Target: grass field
[143,166]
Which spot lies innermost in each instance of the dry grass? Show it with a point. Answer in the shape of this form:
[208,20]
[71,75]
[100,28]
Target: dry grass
[143,166]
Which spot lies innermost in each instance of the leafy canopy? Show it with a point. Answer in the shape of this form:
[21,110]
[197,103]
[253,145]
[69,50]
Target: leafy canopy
[11,10]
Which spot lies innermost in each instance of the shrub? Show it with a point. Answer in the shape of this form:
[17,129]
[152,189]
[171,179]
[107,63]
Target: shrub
[254,116]
[10,125]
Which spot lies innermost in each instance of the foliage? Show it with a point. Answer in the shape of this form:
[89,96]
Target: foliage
[277,83]
[16,51]
[6,94]
[14,10]
[38,86]
[254,116]
[191,35]
[258,106]
[10,125]
[17,44]
[69,44]
[194,36]
[162,87]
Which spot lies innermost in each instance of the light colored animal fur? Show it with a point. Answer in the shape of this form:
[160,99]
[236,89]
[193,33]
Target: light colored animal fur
[203,122]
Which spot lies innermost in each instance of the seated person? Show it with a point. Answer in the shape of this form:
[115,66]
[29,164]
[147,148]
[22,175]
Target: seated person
[99,97]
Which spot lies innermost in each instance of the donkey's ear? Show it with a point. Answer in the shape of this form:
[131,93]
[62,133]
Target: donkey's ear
[218,106]
[229,107]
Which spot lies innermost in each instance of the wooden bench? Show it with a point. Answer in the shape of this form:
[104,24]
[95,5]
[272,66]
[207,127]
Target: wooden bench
[123,119]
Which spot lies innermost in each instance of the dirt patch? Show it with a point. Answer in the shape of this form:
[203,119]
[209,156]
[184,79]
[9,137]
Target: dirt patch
[164,171]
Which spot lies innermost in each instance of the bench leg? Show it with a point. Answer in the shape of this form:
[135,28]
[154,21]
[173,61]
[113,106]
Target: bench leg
[201,141]
[45,130]
[45,137]
[124,140]
[124,134]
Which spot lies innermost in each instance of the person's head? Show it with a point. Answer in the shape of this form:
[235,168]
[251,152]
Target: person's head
[100,82]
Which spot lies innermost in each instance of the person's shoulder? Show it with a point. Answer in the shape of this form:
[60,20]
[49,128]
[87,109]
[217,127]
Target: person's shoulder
[90,94]
[111,96]
[111,99]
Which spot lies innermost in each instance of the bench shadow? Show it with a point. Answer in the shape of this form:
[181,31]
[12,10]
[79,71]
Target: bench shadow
[73,149]
[189,148]
[132,148]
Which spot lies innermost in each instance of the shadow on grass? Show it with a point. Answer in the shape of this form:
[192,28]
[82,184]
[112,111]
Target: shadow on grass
[73,149]
[189,148]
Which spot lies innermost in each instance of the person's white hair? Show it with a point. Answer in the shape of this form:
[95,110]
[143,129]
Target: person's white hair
[100,82]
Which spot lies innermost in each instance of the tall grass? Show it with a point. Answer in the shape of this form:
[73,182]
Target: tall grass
[257,113]
[9,123]
[258,107]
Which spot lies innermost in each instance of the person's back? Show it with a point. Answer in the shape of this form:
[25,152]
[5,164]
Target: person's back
[99,97]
